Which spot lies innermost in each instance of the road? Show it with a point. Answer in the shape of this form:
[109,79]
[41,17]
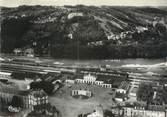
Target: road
[23,113]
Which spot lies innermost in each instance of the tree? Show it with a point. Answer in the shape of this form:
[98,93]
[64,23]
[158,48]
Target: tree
[164,95]
[145,93]
[16,101]
[48,87]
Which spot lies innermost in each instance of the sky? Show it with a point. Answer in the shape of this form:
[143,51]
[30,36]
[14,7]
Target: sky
[15,3]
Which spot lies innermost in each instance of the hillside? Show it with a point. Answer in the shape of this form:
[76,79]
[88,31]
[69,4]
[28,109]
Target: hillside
[85,32]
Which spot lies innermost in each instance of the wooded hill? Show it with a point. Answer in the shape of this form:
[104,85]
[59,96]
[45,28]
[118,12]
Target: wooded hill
[86,32]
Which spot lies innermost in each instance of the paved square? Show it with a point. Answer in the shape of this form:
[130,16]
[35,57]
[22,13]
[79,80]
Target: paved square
[71,107]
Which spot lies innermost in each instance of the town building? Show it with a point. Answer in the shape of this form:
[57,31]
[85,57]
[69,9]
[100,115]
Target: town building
[17,51]
[92,79]
[29,52]
[141,112]
[70,36]
[29,98]
[75,14]
[136,79]
[123,88]
[120,97]
[70,81]
[133,93]
[107,72]
[97,113]
[96,43]
[81,93]
[7,91]
[122,91]
[5,75]
[38,97]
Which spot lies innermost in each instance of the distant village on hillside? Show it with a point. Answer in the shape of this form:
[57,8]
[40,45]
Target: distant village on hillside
[97,32]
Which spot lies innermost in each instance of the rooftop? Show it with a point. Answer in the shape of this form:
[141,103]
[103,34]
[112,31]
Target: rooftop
[119,95]
[134,90]
[12,89]
[38,93]
[124,85]
[5,73]
[110,79]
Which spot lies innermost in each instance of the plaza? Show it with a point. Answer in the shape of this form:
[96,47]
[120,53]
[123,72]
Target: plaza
[72,107]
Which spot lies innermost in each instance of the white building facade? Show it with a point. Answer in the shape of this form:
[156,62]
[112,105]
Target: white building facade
[5,75]
[38,97]
[90,79]
[141,112]
[81,92]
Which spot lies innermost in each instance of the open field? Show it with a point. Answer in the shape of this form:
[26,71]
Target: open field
[71,107]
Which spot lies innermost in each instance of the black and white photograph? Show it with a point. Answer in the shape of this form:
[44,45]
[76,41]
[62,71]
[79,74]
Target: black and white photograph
[83,58]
